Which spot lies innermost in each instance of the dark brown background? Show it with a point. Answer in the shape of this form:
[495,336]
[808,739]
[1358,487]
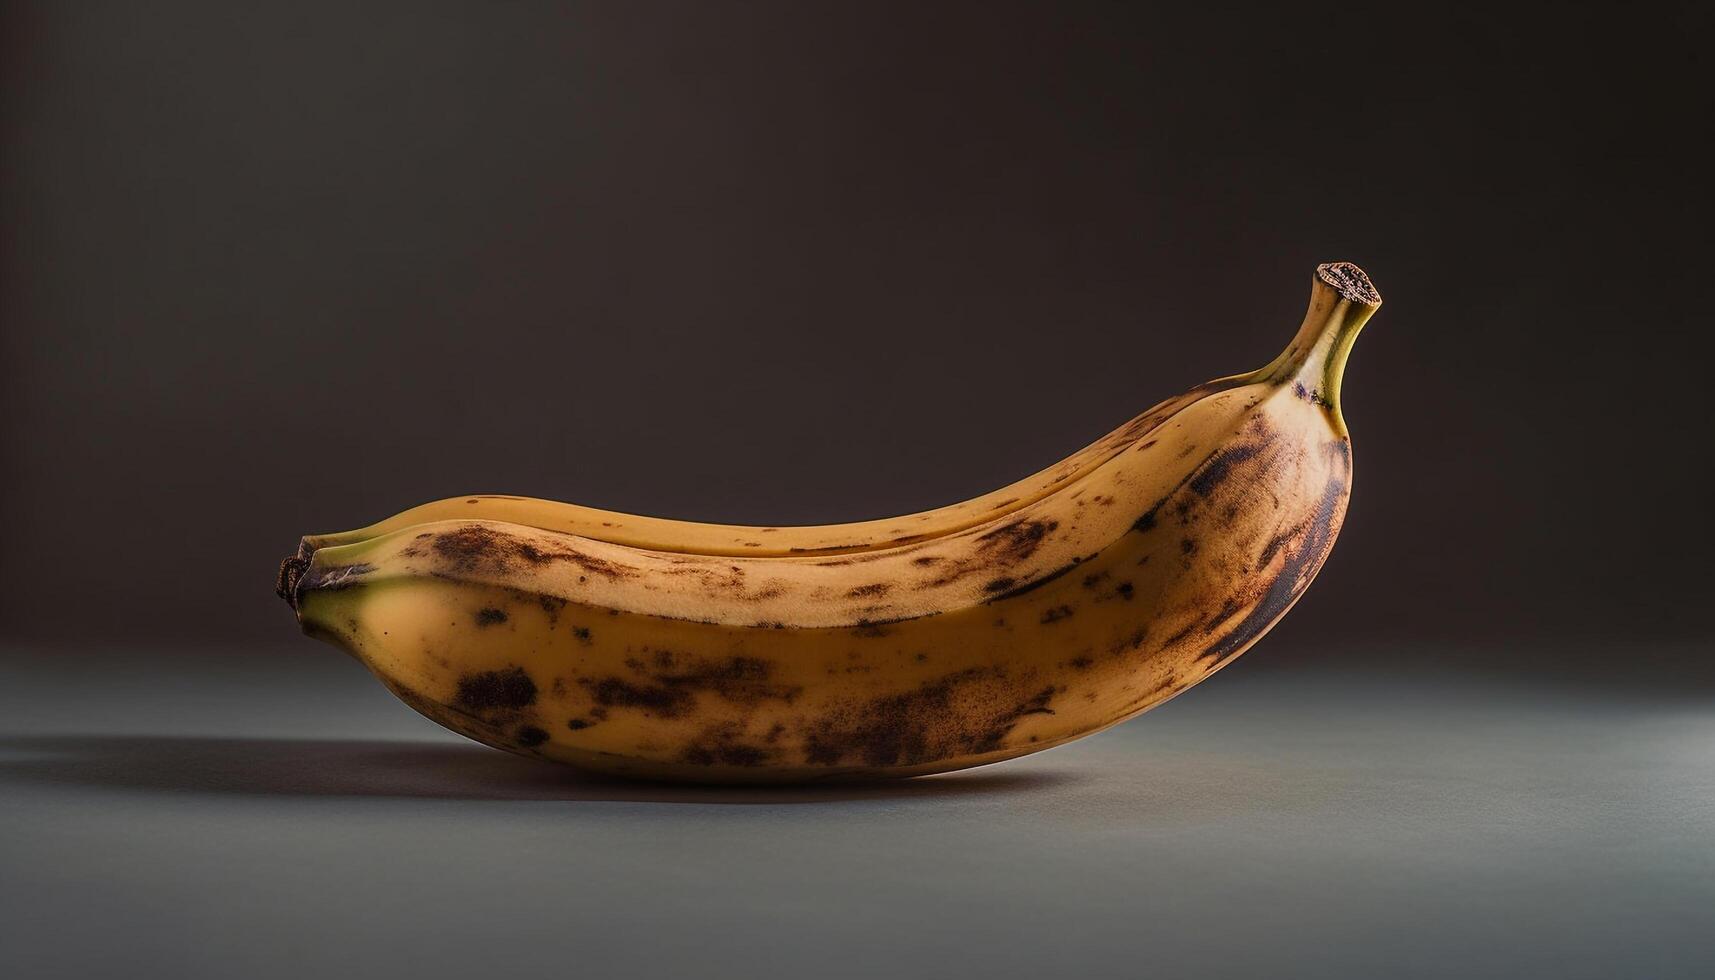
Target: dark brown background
[275,268]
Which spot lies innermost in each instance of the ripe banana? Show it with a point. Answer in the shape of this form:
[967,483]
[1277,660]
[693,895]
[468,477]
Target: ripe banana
[1113,581]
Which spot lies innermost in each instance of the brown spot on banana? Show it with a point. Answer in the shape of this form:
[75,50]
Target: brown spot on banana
[671,686]
[965,714]
[1289,582]
[726,744]
[495,690]
[478,548]
[662,700]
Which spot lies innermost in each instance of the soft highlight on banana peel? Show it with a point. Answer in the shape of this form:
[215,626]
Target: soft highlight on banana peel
[1055,607]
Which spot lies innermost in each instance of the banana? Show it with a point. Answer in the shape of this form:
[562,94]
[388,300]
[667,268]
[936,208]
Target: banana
[659,534]
[1096,600]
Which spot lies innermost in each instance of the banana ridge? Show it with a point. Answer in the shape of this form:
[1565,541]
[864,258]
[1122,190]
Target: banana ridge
[1017,551]
[750,541]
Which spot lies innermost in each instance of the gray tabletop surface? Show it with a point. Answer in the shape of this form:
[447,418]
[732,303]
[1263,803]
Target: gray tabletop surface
[275,813]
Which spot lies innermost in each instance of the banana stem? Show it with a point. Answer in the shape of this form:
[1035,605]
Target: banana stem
[1342,300]
[291,570]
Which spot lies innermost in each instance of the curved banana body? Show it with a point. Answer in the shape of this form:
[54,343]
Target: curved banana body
[1153,568]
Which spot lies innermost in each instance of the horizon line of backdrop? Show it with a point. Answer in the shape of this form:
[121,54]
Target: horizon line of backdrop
[297,267]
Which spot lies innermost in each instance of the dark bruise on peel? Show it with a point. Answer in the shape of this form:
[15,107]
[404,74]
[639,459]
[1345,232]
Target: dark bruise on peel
[1298,568]
[1220,466]
[726,754]
[1012,590]
[462,721]
[1130,643]
[480,549]
[1226,612]
[1160,687]
[616,692]
[1014,542]
[997,550]
[1180,636]
[827,549]
[1278,542]
[724,744]
[967,713]
[1202,481]
[492,707]
[495,690]
[1304,394]
[551,606]
[670,690]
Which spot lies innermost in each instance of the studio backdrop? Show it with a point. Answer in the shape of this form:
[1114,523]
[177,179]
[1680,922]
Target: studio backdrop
[280,268]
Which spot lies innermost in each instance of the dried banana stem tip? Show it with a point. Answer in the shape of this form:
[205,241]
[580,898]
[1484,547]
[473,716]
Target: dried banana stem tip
[1349,281]
[286,585]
